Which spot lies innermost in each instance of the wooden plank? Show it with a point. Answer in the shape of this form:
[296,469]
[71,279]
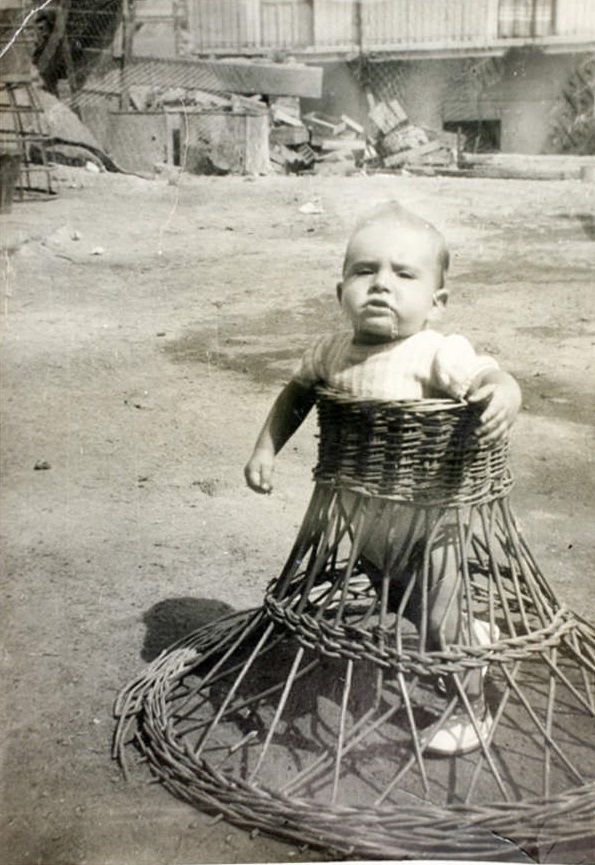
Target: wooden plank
[348,145]
[323,126]
[225,76]
[388,116]
[281,79]
[247,104]
[425,149]
[351,124]
[280,116]
[289,135]
[287,106]
[398,110]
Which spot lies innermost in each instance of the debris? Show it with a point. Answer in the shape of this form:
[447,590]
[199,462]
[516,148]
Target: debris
[76,235]
[345,145]
[41,466]
[322,125]
[97,250]
[336,139]
[292,161]
[208,486]
[287,106]
[311,207]
[307,155]
[251,104]
[351,124]
[400,144]
[387,116]
[413,154]
[280,116]
[289,136]
[211,100]
[92,167]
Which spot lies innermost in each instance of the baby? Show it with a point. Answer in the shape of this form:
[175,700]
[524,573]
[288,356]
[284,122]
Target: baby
[392,291]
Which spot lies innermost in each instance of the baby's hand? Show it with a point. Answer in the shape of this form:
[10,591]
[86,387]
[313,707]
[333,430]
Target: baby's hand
[259,471]
[502,400]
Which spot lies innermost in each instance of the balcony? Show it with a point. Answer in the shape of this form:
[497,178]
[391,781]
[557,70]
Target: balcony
[399,28]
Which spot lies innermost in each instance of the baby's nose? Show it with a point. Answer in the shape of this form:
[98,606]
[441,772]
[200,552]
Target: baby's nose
[382,280]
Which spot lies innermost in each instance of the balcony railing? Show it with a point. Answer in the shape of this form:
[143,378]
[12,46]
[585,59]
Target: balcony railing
[319,26]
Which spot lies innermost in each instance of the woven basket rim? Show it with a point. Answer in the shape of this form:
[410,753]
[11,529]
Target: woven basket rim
[422,404]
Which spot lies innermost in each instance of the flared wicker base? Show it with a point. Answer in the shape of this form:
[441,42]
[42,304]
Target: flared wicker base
[313,717]
[298,794]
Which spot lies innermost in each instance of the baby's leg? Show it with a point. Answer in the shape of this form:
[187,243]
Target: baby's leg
[469,721]
[446,624]
[413,561]
[390,555]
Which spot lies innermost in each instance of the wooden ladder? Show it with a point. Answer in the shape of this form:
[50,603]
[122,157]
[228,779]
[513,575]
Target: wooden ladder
[22,131]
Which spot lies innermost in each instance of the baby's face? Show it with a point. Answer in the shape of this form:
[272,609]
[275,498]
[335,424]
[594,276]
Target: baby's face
[391,281]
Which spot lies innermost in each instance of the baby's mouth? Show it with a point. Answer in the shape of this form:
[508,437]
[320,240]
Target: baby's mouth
[380,305]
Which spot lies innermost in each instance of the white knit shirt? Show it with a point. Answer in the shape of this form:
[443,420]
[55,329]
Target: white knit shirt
[424,365]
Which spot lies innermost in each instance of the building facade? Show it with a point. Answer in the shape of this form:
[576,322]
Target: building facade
[505,72]
[325,28]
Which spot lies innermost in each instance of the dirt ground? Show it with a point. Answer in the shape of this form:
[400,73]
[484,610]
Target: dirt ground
[146,327]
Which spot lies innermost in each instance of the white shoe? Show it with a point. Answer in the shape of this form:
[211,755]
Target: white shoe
[485,635]
[457,735]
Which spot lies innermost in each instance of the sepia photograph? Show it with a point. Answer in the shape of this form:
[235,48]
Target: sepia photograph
[297,431]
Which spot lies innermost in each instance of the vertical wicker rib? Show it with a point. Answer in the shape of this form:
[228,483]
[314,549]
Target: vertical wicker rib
[314,712]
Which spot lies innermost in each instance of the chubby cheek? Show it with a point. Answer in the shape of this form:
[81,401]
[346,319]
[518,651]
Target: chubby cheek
[352,299]
[419,303]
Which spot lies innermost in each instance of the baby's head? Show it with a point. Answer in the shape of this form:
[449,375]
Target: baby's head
[393,274]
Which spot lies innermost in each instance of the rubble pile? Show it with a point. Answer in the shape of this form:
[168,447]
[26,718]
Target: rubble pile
[399,143]
[391,142]
[298,142]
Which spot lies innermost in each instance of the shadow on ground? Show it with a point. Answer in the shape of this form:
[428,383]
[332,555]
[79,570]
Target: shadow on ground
[174,618]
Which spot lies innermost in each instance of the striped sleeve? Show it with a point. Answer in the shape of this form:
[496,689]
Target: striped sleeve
[312,367]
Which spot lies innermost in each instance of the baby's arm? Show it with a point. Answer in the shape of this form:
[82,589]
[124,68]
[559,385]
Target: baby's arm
[288,411]
[502,398]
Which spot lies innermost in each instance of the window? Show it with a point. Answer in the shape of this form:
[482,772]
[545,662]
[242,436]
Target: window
[525,18]
[477,136]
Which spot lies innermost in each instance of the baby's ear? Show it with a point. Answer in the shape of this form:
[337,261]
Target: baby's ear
[440,298]
[339,291]
[439,301]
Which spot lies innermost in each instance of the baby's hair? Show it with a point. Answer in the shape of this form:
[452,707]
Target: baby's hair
[393,211]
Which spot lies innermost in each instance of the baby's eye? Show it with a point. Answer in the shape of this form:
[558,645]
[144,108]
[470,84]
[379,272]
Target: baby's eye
[405,274]
[363,269]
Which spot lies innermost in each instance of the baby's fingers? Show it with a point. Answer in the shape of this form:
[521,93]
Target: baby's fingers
[494,424]
[482,394]
[259,477]
[492,431]
[266,476]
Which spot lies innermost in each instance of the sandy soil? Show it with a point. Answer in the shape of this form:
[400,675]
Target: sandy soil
[147,326]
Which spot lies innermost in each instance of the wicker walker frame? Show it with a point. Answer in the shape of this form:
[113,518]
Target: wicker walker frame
[310,716]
